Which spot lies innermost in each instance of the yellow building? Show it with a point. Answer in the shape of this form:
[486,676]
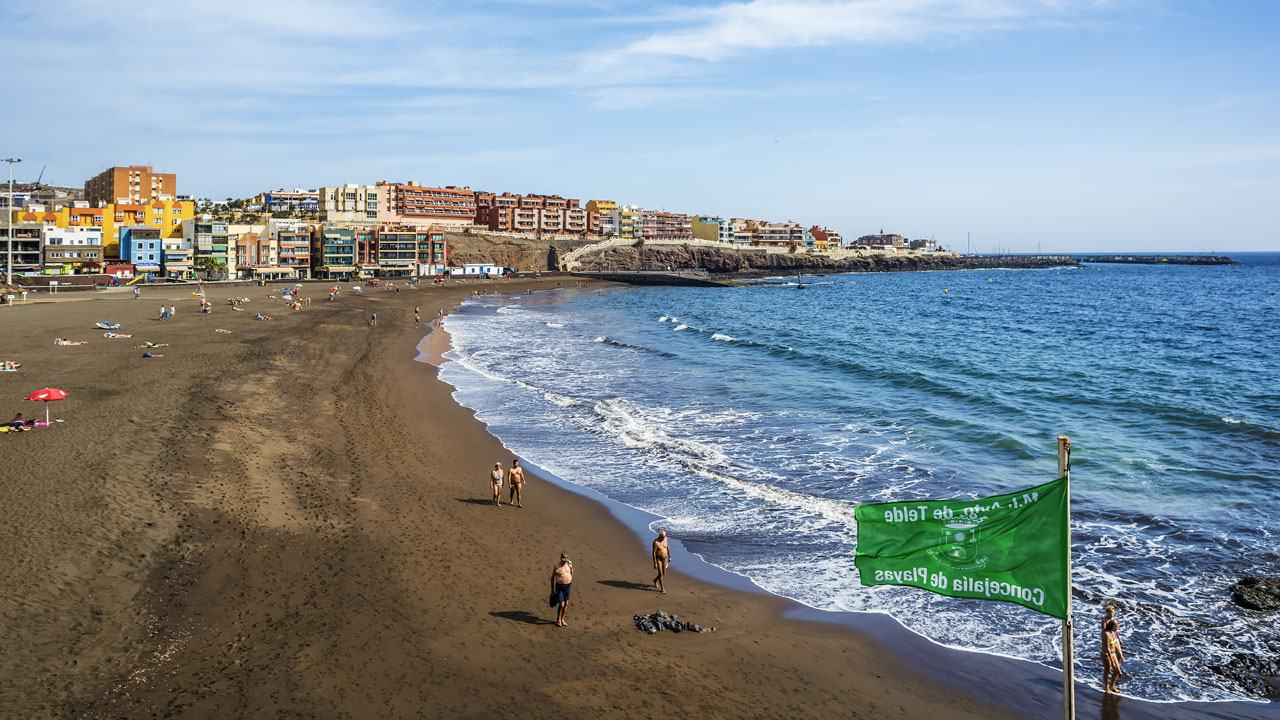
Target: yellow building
[165,215]
[601,206]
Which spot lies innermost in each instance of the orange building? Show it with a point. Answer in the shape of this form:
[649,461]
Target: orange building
[410,202]
[547,214]
[136,184]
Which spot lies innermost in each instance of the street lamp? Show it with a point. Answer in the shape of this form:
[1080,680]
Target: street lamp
[8,214]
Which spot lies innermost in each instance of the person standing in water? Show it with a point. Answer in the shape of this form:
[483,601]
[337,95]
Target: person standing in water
[661,559]
[1112,655]
[561,579]
[515,476]
[495,478]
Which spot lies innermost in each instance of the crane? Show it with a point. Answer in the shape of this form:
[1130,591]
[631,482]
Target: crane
[36,186]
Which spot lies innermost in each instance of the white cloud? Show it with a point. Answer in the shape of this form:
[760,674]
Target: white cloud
[722,31]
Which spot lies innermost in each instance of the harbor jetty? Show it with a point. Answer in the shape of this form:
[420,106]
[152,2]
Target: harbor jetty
[1158,259]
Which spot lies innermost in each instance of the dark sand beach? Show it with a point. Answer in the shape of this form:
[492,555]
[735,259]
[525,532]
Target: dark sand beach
[292,520]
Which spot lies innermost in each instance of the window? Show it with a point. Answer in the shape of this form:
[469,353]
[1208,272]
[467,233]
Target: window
[371,213]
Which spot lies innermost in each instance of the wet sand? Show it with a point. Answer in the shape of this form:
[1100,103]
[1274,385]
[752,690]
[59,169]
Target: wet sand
[292,520]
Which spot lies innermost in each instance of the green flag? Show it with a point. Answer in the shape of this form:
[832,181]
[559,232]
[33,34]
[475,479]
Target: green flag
[1008,547]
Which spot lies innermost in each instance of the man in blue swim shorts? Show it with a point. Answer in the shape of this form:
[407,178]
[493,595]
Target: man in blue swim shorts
[561,579]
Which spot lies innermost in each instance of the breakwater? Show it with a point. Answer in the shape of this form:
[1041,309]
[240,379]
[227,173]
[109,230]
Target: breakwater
[1158,259]
[748,262]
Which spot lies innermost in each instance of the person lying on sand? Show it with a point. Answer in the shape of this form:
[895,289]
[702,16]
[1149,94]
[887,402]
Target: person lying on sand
[149,344]
[224,332]
[18,423]
[114,336]
[260,316]
[150,355]
[10,366]
[60,341]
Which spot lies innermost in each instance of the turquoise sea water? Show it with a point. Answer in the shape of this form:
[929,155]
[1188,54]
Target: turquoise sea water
[754,420]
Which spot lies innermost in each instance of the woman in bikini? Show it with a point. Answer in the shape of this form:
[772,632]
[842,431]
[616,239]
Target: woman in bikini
[1112,655]
[495,478]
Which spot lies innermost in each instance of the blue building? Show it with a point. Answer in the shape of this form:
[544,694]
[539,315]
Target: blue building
[297,200]
[141,247]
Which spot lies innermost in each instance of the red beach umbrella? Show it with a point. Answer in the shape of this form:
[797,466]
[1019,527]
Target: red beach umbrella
[46,395]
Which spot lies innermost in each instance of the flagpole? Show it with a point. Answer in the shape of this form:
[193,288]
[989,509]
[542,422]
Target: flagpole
[1068,649]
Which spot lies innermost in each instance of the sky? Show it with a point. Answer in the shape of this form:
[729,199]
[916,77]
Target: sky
[1051,125]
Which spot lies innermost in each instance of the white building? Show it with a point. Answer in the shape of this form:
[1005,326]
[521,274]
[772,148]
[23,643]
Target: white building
[353,203]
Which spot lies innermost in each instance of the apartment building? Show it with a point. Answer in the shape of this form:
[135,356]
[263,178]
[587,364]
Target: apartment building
[600,218]
[71,249]
[655,226]
[412,204]
[298,200]
[141,247]
[179,256]
[410,251]
[534,214]
[26,246]
[825,238]
[292,242]
[882,241]
[132,185]
[212,245]
[255,256]
[333,252]
[354,203]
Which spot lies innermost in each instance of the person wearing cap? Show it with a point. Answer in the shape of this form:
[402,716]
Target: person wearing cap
[495,478]
[561,579]
[515,476]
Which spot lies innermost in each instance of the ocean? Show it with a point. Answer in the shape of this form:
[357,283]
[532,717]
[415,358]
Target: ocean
[754,420]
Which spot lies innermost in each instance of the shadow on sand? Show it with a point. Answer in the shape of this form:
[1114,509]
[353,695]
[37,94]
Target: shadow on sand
[627,585]
[475,501]
[523,616]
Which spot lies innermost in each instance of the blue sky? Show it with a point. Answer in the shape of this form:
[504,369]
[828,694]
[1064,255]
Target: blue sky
[1053,124]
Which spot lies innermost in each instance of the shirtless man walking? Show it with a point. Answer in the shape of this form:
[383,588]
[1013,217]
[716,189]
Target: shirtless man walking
[561,579]
[661,559]
[495,478]
[515,476]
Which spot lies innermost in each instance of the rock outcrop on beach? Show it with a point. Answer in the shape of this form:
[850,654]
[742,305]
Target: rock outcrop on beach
[1256,674]
[755,262]
[1257,594]
[659,621]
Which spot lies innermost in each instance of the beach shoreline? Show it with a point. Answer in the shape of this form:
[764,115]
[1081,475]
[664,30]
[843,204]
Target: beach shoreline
[1017,685]
[292,519]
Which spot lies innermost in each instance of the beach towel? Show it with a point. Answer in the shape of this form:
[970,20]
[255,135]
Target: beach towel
[104,325]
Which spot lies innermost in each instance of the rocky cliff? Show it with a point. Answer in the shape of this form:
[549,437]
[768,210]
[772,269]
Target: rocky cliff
[525,254]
